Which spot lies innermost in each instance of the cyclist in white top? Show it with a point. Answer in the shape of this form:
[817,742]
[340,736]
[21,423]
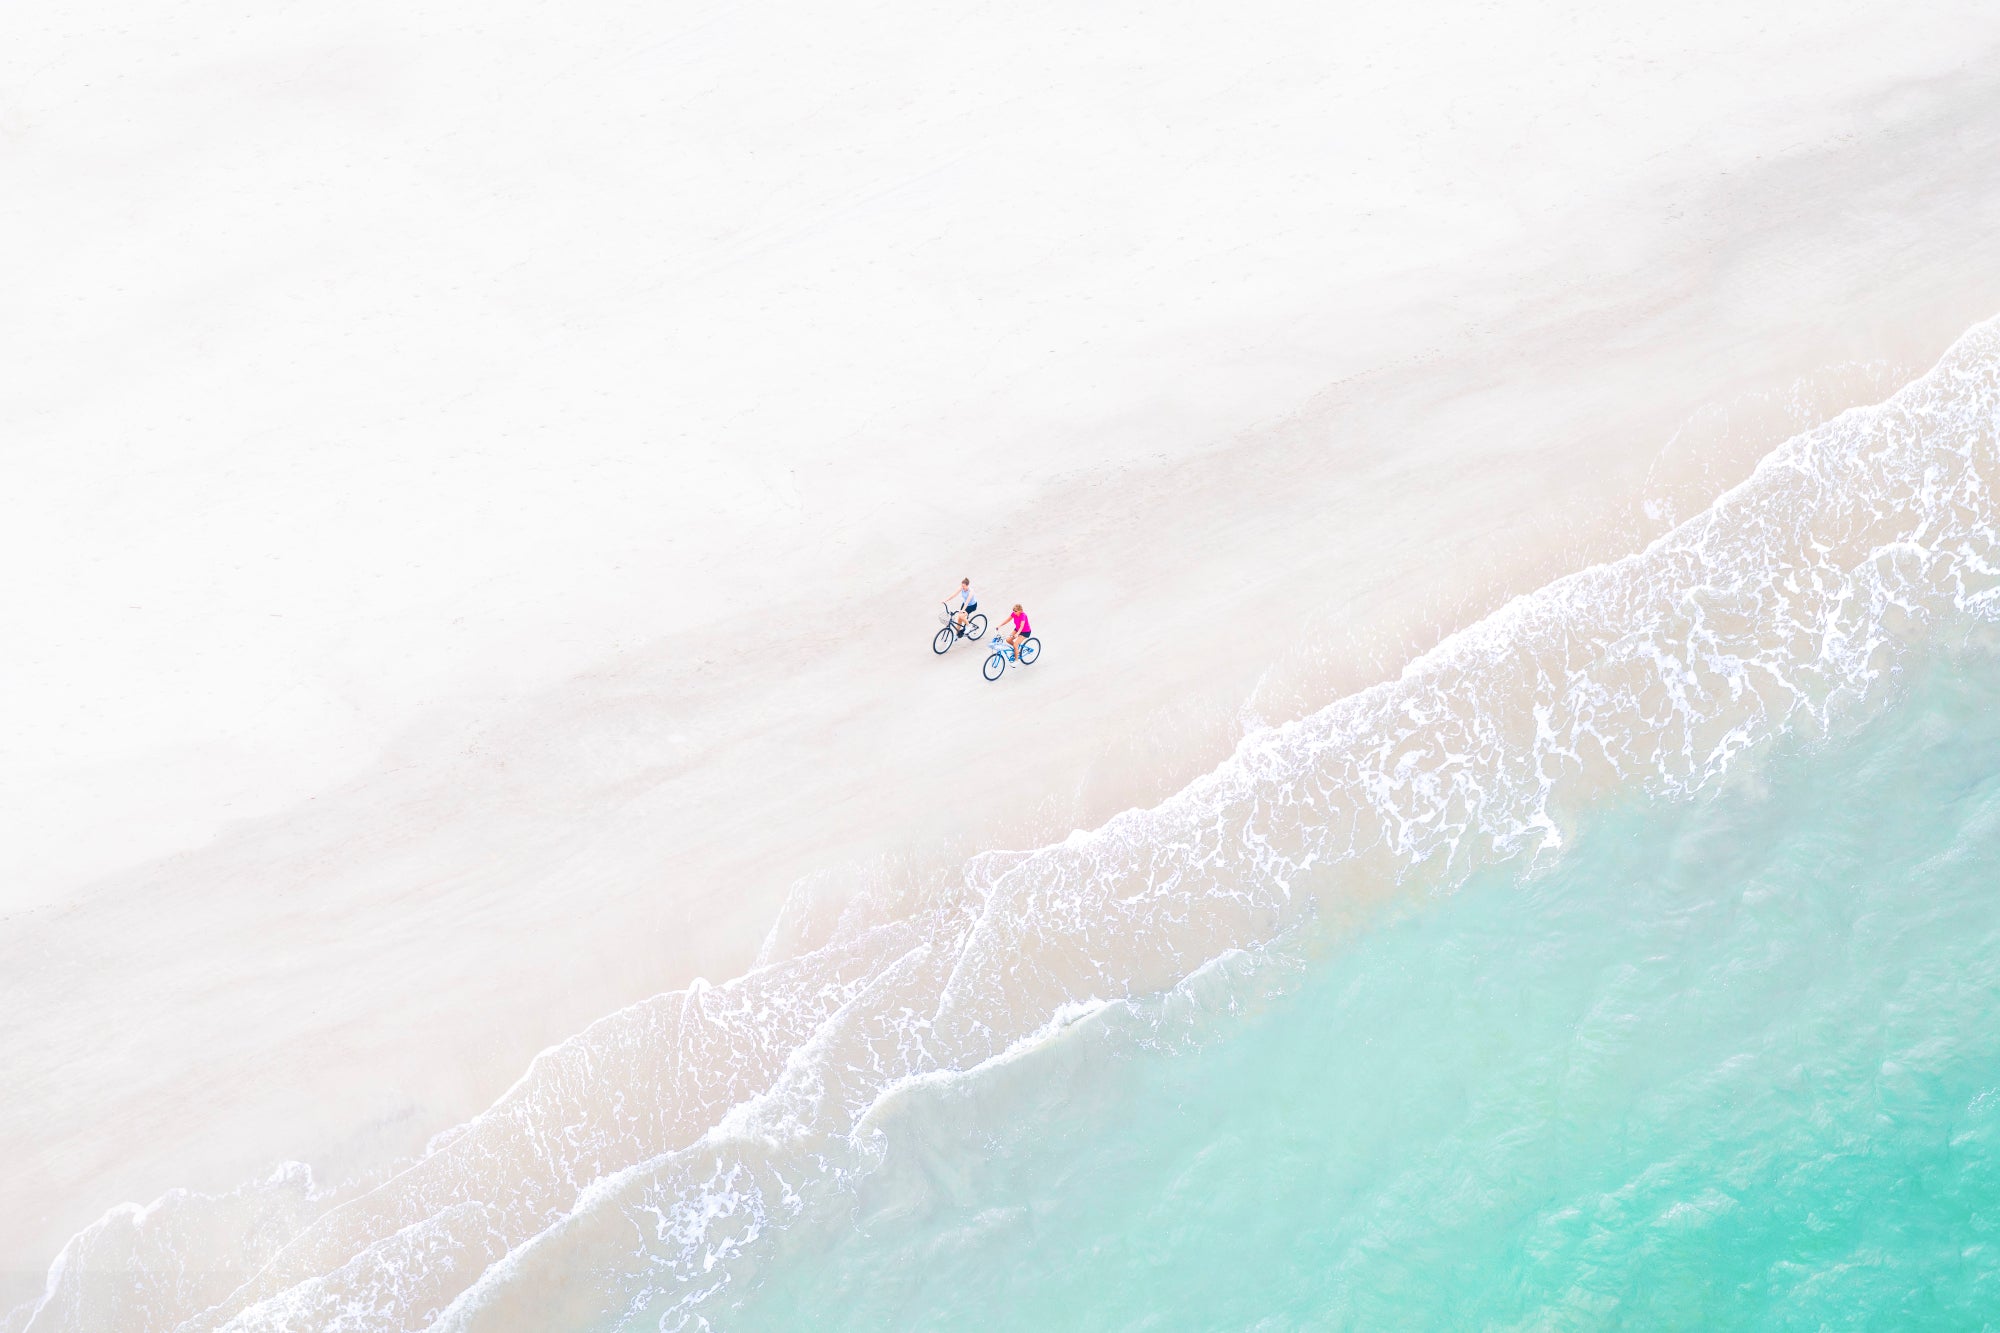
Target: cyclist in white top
[964,601]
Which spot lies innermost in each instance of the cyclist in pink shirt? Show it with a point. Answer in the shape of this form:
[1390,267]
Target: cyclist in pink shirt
[1021,628]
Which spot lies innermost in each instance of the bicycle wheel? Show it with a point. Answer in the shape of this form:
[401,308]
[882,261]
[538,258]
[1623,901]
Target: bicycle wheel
[942,643]
[975,628]
[995,665]
[1030,649]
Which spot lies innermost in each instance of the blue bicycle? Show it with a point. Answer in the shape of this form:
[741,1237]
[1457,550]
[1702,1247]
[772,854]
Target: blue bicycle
[1030,649]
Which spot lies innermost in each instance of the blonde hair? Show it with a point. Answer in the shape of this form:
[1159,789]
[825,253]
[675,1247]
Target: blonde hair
[1017,606]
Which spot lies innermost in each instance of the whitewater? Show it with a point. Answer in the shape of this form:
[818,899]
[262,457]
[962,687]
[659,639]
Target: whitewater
[1499,833]
[649,1169]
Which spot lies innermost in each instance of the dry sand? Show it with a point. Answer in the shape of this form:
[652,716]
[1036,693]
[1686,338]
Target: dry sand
[337,971]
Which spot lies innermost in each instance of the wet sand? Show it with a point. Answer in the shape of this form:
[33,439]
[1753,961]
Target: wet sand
[338,977]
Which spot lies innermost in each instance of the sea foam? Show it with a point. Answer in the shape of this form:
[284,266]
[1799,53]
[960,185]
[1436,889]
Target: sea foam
[647,1163]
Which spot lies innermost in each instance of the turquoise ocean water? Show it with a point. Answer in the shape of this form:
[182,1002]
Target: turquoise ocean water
[1733,1061]
[1627,960]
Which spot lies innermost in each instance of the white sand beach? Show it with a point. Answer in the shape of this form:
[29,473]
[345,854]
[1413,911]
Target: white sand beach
[481,479]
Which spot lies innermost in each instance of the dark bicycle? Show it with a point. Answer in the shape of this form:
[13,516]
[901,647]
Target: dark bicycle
[973,628]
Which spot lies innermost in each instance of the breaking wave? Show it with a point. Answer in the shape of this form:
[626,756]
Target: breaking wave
[658,1157]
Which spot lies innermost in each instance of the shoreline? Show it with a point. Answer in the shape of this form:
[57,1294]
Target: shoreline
[1322,815]
[433,904]
[802,890]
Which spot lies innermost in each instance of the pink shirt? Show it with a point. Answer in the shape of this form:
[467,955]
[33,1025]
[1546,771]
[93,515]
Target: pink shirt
[1020,623]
